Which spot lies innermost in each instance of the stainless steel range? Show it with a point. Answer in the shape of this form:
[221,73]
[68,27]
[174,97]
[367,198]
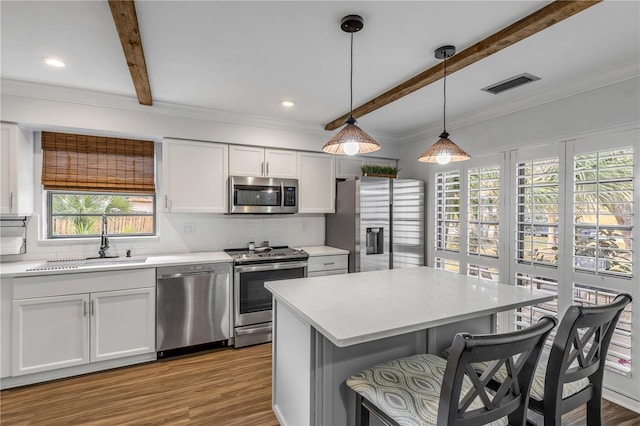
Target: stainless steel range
[252,302]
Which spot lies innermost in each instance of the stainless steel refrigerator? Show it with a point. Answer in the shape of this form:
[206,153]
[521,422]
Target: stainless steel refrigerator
[380,221]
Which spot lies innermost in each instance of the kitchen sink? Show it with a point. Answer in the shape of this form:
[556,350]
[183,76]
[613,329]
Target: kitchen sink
[91,261]
[54,265]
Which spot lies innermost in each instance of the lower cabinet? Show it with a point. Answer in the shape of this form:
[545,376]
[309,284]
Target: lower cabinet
[59,331]
[327,265]
[122,323]
[50,333]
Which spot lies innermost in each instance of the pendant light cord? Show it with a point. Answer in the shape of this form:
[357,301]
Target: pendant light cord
[444,108]
[351,80]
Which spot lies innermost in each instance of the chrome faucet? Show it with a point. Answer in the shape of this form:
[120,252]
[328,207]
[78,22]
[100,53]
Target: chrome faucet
[104,240]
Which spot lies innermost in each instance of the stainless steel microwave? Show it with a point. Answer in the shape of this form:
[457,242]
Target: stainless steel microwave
[249,194]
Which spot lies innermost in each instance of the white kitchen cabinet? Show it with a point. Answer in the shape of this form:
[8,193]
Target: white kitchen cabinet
[69,320]
[50,333]
[5,326]
[262,162]
[316,183]
[122,323]
[350,167]
[327,265]
[16,171]
[194,176]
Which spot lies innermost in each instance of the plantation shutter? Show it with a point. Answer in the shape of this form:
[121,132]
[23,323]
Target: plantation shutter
[447,232]
[94,163]
[483,186]
[537,205]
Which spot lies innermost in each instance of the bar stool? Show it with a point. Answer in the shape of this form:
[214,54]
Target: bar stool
[428,390]
[575,365]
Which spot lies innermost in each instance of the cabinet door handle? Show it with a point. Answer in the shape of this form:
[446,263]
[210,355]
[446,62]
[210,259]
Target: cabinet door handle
[11,201]
[85,308]
[267,174]
[166,201]
[330,263]
[262,168]
[93,310]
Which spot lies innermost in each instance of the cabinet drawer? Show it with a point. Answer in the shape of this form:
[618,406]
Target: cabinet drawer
[84,282]
[327,263]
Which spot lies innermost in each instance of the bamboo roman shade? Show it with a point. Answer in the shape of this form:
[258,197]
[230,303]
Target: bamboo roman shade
[94,163]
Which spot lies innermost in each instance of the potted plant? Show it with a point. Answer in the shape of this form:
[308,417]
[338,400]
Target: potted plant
[379,171]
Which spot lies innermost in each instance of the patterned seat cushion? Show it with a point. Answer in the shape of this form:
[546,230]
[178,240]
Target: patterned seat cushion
[537,385]
[408,389]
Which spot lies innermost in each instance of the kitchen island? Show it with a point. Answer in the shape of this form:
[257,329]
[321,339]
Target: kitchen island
[327,328]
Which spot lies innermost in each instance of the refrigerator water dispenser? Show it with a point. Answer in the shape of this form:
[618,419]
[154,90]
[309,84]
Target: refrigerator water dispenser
[375,239]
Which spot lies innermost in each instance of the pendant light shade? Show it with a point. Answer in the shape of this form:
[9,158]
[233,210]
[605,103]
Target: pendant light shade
[444,150]
[351,139]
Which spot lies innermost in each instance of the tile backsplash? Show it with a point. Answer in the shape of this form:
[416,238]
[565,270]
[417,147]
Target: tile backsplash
[181,233]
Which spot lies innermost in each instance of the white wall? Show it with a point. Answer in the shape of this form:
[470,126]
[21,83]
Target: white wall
[211,232]
[40,107]
[568,118]
[52,108]
[602,108]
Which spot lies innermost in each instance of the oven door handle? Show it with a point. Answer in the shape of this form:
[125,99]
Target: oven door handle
[271,266]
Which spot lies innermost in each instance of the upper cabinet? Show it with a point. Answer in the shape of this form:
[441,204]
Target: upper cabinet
[194,176]
[261,162]
[349,167]
[316,181]
[16,171]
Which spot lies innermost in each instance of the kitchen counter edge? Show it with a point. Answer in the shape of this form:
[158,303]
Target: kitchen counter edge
[323,251]
[19,269]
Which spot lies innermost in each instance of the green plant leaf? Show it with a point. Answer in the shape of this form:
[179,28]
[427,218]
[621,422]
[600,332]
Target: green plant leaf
[379,170]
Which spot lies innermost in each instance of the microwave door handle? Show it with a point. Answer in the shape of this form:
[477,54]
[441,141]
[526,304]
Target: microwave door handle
[282,195]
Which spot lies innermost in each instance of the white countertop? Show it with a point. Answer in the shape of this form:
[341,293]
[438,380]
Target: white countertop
[323,251]
[19,269]
[353,308]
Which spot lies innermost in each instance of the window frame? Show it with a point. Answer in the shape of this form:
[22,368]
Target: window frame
[49,195]
[461,256]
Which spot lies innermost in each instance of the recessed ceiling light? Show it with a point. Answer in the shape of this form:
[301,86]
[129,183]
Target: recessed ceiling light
[54,62]
[288,103]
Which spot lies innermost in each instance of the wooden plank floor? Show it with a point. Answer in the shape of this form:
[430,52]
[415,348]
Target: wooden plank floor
[223,387]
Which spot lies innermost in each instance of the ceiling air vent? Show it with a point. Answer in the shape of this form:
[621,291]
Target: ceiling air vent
[510,83]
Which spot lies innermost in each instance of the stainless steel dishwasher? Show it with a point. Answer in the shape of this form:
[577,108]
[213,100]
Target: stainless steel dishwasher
[192,308]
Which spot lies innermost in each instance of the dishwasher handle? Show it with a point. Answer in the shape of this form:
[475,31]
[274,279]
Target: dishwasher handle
[185,274]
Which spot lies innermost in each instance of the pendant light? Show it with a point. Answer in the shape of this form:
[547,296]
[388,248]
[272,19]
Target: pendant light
[351,139]
[444,151]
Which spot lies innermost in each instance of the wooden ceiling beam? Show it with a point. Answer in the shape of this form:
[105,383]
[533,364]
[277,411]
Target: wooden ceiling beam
[126,20]
[536,22]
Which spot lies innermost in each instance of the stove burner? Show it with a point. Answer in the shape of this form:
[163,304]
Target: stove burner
[266,254]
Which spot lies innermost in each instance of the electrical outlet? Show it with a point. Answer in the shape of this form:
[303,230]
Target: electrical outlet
[189,228]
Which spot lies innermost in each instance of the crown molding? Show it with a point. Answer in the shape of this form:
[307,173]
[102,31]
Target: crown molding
[128,103]
[615,74]
[619,72]
[48,92]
